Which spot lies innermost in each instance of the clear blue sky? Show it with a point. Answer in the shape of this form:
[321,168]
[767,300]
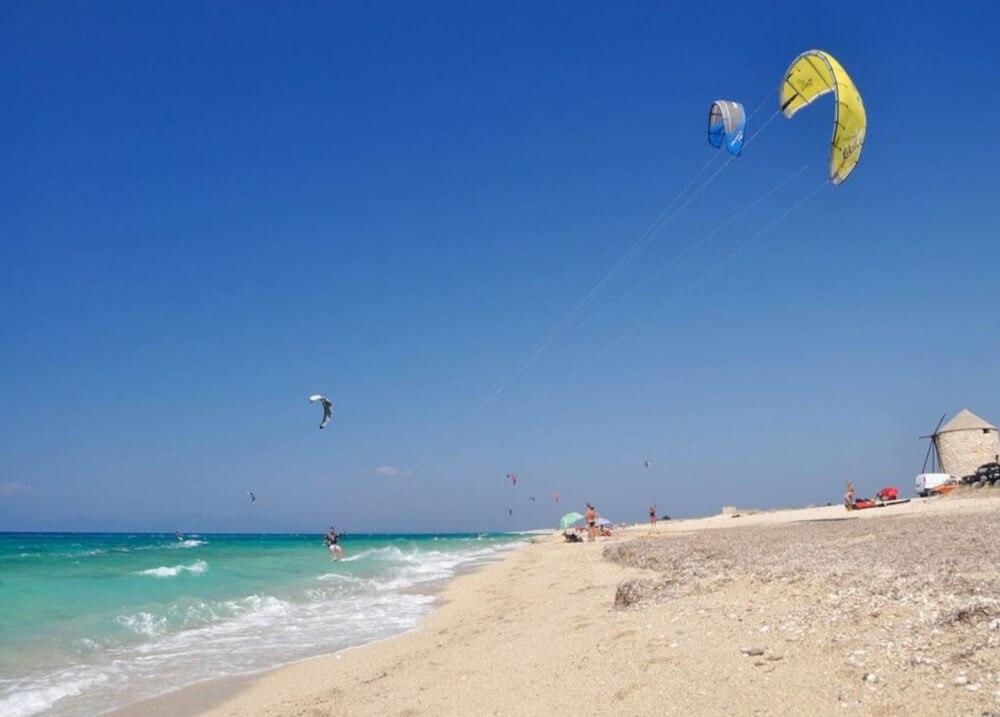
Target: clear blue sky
[212,210]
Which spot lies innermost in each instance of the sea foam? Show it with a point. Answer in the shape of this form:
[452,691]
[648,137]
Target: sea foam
[196,568]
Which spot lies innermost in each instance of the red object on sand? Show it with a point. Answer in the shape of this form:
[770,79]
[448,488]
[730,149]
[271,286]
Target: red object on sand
[889,493]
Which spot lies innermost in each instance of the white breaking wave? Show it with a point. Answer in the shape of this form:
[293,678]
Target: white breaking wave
[143,623]
[187,543]
[196,568]
[35,701]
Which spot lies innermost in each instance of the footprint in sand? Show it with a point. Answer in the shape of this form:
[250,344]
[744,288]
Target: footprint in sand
[656,663]
[625,692]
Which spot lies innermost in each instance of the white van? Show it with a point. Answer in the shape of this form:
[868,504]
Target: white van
[926,481]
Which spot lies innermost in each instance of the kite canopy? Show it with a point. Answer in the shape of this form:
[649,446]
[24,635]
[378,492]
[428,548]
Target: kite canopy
[812,75]
[727,121]
[327,408]
[567,520]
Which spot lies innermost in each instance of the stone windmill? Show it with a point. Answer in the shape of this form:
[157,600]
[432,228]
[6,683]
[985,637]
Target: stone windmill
[964,443]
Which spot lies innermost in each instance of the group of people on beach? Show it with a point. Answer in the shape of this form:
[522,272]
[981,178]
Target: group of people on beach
[593,530]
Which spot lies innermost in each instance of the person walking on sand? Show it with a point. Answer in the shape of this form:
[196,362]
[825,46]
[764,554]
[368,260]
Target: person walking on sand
[332,540]
[591,518]
[652,514]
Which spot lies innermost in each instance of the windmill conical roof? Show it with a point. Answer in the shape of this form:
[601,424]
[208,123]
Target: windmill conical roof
[966,420]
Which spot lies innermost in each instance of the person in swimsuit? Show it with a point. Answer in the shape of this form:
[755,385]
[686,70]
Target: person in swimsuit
[652,514]
[849,496]
[591,518]
[332,538]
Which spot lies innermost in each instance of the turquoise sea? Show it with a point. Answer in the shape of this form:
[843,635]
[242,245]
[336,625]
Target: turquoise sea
[91,622]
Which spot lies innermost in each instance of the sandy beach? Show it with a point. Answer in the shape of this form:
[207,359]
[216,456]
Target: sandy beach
[887,611]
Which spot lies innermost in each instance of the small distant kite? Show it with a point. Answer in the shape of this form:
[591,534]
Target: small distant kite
[513,478]
[555,497]
[510,511]
[647,464]
[253,498]
[532,499]
[327,408]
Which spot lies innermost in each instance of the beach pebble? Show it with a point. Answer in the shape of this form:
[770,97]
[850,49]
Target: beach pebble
[973,687]
[995,624]
[960,681]
[870,677]
[752,651]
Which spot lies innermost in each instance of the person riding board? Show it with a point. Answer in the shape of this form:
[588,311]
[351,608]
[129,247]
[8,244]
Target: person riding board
[332,540]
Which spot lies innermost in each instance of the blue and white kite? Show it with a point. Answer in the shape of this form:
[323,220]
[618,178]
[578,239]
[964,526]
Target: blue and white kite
[727,121]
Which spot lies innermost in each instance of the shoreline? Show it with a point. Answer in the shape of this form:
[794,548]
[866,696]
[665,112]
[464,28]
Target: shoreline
[198,697]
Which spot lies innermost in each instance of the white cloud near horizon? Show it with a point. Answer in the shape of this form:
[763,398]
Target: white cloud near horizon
[392,471]
[12,487]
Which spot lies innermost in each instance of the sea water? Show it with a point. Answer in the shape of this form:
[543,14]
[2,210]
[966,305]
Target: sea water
[90,622]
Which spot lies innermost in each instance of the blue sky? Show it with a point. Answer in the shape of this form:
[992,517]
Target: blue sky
[211,211]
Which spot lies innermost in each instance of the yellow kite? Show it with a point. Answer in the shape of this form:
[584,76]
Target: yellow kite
[813,74]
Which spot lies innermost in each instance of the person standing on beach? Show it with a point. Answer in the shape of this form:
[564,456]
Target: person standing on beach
[591,518]
[652,514]
[849,496]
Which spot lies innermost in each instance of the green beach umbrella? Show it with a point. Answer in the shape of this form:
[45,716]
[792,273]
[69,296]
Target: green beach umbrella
[568,520]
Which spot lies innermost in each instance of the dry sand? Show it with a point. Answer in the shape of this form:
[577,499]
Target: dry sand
[890,611]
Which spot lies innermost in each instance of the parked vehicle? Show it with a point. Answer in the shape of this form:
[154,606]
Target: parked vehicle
[985,475]
[988,473]
[927,482]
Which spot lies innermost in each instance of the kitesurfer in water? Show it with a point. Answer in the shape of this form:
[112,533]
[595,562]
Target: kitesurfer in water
[332,541]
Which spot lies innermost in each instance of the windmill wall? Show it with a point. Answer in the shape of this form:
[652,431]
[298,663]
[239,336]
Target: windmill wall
[961,452]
